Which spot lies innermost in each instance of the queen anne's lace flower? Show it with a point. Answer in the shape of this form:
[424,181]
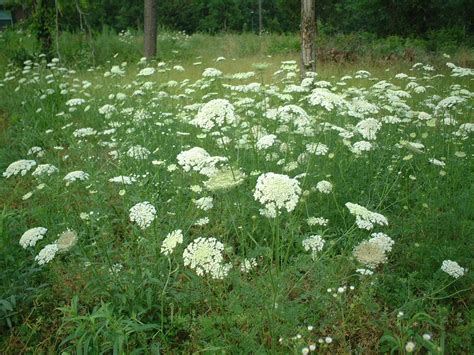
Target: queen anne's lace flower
[192,159]
[171,241]
[84,132]
[211,73]
[31,236]
[44,170]
[19,167]
[366,219]
[146,72]
[75,102]
[368,128]
[314,244]
[453,269]
[205,256]
[66,240]
[277,192]
[370,254]
[76,175]
[218,112]
[324,187]
[143,214]
[224,179]
[138,152]
[266,141]
[47,254]
[326,99]
[204,203]
[385,242]
[248,265]
[126,180]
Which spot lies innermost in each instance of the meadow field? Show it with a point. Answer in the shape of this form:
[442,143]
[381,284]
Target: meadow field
[213,201]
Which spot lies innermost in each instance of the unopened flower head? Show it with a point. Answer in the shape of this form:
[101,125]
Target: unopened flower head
[370,254]
[66,240]
[224,179]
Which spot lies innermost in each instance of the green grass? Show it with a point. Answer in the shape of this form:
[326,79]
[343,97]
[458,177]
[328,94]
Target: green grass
[76,303]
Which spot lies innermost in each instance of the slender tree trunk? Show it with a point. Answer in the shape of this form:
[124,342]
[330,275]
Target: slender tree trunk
[260,18]
[308,32]
[150,28]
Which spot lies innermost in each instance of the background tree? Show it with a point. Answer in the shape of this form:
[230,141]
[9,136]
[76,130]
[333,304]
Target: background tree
[308,33]
[150,28]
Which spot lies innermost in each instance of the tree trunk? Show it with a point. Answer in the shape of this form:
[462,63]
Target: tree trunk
[44,15]
[150,28]
[308,32]
[260,18]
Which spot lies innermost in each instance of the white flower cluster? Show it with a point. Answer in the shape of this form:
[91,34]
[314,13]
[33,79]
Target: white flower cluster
[248,265]
[31,236]
[383,240]
[204,203]
[138,152]
[75,102]
[193,159]
[143,214]
[205,256]
[171,241]
[453,269]
[47,254]
[66,240]
[211,73]
[325,187]
[313,243]
[107,110]
[293,114]
[368,128]
[373,252]
[317,148]
[362,146]
[317,221]
[224,179]
[266,141]
[76,175]
[126,180]
[197,159]
[146,72]
[84,132]
[19,167]
[326,99]
[44,170]
[217,112]
[277,192]
[366,219]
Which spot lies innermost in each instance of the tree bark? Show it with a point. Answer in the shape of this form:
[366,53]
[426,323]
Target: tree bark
[150,28]
[260,18]
[308,33]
